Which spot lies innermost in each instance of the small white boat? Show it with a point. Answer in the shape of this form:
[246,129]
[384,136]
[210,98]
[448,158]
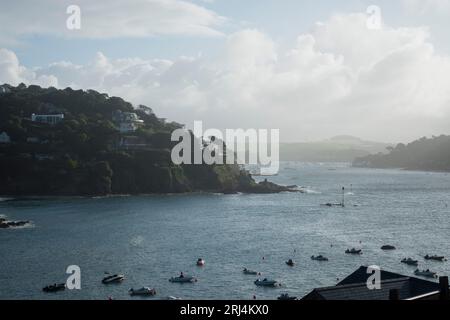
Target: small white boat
[266,283]
[251,272]
[173,298]
[200,262]
[183,279]
[113,279]
[425,273]
[144,291]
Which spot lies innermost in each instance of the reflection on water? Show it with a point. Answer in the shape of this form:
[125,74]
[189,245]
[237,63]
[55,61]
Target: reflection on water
[152,238]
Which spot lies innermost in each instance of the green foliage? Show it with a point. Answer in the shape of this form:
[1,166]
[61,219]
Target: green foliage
[431,154]
[82,155]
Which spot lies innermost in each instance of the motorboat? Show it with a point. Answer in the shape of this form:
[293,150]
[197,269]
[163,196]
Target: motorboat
[410,262]
[435,258]
[319,258]
[54,287]
[286,297]
[200,262]
[425,273]
[251,272]
[290,263]
[115,278]
[266,283]
[144,291]
[173,298]
[329,204]
[183,279]
[388,247]
[353,251]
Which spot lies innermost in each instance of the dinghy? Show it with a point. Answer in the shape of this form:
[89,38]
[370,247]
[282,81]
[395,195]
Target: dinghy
[116,278]
[183,279]
[410,262]
[200,262]
[266,283]
[319,258]
[435,258]
[54,287]
[425,273]
[144,291]
[251,272]
[290,263]
[353,251]
[286,297]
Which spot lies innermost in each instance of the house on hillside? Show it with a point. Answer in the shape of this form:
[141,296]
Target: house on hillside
[51,119]
[126,121]
[393,287]
[4,138]
[4,89]
[132,142]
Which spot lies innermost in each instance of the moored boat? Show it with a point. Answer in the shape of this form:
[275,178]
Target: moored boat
[425,273]
[54,287]
[183,279]
[200,262]
[266,283]
[144,291]
[319,258]
[353,251]
[434,258]
[251,272]
[410,262]
[290,262]
[115,278]
[286,297]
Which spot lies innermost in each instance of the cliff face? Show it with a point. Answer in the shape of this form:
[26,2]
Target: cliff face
[103,145]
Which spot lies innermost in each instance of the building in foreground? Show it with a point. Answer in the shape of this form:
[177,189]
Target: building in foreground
[51,119]
[393,287]
[4,138]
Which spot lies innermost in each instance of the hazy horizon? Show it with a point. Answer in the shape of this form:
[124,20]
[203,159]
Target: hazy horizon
[314,70]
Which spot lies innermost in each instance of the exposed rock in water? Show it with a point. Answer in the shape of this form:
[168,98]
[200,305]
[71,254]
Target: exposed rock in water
[267,187]
[5,224]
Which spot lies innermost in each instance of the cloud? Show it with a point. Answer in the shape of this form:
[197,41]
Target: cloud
[426,6]
[341,77]
[12,72]
[107,19]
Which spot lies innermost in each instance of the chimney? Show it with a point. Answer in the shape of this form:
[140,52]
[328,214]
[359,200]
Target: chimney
[394,294]
[443,288]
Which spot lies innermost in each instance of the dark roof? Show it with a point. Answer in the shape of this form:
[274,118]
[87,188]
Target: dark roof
[361,276]
[408,287]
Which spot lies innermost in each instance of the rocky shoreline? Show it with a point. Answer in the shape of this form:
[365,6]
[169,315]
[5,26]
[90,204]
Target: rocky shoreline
[5,224]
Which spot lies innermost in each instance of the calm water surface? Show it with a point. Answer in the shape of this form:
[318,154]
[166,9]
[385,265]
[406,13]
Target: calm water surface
[151,238]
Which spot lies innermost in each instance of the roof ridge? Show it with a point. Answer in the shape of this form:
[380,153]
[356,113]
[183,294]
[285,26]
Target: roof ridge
[359,284]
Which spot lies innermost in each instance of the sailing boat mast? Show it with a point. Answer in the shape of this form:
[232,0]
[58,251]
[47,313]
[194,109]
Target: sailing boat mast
[343,197]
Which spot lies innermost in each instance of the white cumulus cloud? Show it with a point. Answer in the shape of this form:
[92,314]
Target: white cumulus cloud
[340,78]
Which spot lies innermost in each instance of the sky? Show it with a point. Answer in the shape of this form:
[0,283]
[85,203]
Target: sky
[312,69]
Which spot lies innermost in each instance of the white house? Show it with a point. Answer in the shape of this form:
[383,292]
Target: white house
[47,118]
[126,121]
[4,138]
[4,89]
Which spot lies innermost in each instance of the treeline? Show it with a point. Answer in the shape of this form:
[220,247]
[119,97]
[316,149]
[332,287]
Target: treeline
[429,154]
[81,155]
